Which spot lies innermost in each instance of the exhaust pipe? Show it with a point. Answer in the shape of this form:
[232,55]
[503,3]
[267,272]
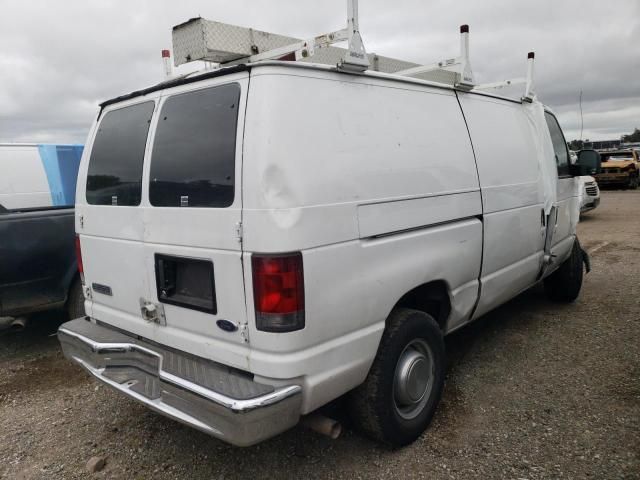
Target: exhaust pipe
[18,324]
[13,324]
[326,426]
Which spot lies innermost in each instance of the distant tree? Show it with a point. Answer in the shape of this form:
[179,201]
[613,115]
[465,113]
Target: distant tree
[575,145]
[632,137]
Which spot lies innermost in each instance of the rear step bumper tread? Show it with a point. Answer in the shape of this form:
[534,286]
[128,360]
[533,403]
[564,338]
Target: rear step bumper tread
[197,392]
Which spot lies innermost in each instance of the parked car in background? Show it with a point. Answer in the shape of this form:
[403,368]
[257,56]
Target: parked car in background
[589,193]
[620,168]
[38,269]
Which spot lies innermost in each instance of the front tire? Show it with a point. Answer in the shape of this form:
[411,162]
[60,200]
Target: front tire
[633,182]
[396,402]
[565,283]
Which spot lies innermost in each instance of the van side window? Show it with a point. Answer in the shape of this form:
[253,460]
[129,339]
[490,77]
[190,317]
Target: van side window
[193,159]
[559,144]
[115,166]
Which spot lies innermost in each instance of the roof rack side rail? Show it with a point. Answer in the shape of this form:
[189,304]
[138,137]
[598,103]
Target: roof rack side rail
[461,65]
[502,84]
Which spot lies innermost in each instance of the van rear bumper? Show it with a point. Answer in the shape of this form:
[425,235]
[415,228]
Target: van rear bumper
[215,399]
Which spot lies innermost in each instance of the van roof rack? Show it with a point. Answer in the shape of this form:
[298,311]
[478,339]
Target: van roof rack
[225,45]
[529,94]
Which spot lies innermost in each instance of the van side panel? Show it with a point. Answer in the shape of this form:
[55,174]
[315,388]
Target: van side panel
[512,195]
[350,289]
[319,145]
[568,208]
[375,182]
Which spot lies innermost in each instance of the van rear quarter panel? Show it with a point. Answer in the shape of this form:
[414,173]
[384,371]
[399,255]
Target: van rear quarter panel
[375,182]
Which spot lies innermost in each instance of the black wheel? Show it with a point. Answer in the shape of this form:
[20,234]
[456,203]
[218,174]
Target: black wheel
[633,182]
[564,284]
[75,300]
[400,395]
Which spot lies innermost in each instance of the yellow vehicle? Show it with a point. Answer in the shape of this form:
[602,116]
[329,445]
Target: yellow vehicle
[619,167]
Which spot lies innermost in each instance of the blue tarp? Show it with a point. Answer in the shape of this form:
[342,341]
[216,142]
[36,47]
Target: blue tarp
[61,164]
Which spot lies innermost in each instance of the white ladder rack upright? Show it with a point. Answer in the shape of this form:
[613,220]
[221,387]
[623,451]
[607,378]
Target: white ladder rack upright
[460,65]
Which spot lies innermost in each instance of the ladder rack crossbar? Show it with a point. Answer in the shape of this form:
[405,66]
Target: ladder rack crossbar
[502,84]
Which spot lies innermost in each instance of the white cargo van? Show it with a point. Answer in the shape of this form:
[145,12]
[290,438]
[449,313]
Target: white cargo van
[261,239]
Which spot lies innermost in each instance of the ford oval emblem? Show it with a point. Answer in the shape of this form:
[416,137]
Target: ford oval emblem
[226,325]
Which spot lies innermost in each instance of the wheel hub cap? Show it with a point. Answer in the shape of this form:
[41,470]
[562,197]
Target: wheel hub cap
[413,379]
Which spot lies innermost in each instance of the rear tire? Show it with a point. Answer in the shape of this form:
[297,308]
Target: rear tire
[396,402]
[75,300]
[565,283]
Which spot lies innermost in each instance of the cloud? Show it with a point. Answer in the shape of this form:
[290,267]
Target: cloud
[60,59]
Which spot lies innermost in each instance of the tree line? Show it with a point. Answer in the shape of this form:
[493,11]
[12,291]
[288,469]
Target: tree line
[629,138]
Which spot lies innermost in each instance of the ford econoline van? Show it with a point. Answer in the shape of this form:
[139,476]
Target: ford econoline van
[261,239]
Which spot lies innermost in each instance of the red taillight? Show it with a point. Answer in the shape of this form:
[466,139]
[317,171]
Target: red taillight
[79,255]
[278,292]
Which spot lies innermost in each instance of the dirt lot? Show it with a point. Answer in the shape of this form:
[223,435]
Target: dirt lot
[534,390]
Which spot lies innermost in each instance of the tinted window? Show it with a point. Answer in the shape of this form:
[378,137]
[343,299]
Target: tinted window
[115,166]
[559,144]
[193,160]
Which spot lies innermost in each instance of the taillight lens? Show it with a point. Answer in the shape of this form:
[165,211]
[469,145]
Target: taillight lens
[278,292]
[79,255]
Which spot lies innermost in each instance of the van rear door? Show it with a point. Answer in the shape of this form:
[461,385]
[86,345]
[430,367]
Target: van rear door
[181,276]
[109,212]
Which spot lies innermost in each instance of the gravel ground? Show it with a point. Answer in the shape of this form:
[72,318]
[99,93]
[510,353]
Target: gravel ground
[534,390]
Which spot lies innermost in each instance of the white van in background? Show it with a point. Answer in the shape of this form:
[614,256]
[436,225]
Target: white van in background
[261,239]
[38,175]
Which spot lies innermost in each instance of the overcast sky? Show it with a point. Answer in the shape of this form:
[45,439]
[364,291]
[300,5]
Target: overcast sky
[59,59]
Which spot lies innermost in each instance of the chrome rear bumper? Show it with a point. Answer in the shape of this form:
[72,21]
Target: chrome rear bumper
[200,393]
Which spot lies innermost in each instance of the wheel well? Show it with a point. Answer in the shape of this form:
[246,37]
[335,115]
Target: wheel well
[431,298]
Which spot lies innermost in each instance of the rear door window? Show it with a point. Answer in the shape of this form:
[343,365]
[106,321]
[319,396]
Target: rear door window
[559,145]
[115,166]
[193,159]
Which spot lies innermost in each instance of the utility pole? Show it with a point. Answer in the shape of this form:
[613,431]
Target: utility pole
[581,118]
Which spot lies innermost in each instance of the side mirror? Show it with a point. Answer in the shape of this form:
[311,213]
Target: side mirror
[589,162]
